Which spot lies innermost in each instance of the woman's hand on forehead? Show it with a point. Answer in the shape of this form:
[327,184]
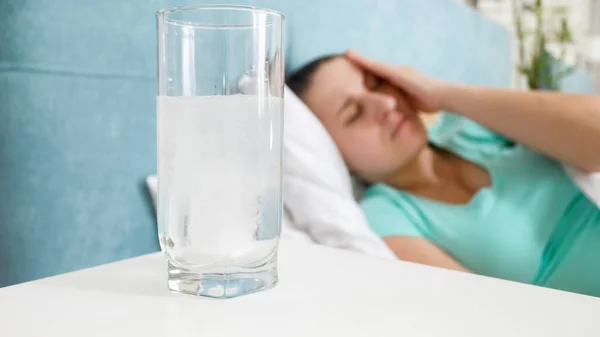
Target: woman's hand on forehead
[422,92]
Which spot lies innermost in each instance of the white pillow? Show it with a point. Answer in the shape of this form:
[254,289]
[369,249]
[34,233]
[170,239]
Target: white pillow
[317,187]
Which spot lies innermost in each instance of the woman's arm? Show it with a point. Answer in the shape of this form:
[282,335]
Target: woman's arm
[563,126]
[421,251]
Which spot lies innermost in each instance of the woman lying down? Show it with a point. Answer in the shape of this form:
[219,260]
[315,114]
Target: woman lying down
[472,201]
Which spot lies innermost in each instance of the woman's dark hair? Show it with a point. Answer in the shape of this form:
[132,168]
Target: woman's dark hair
[300,80]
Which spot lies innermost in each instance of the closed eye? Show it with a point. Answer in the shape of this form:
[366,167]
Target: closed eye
[355,115]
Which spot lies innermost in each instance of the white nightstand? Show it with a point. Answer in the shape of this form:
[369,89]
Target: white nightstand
[322,292]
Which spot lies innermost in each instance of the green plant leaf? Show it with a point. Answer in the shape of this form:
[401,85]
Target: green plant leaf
[560,10]
[564,34]
[523,70]
[566,72]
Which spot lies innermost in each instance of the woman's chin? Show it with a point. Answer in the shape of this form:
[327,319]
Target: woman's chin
[413,133]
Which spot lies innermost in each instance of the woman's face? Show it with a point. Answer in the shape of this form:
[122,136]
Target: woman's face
[374,127]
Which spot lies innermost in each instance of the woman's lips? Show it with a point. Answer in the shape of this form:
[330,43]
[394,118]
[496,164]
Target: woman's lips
[398,127]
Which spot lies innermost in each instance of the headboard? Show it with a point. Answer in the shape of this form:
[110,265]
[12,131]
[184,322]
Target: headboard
[77,113]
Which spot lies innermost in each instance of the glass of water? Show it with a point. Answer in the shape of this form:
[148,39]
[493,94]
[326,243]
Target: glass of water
[220,121]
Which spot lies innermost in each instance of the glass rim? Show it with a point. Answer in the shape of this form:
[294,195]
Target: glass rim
[163,13]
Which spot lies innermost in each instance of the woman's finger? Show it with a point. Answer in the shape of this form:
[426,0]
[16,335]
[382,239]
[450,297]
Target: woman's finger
[386,71]
[379,69]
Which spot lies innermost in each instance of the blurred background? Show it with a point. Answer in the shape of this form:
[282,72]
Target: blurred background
[582,23]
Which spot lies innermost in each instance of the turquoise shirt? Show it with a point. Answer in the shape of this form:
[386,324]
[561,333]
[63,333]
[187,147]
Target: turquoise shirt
[531,225]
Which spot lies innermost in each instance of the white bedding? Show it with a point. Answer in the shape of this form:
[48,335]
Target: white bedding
[588,183]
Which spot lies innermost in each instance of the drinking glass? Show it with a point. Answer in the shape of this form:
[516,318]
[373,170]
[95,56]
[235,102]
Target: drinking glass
[220,121]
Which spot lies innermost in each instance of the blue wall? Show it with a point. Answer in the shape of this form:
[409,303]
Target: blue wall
[579,81]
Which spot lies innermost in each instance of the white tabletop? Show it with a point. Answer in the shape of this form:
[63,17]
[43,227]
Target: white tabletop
[322,292]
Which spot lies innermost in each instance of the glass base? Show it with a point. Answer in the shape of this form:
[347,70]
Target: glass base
[222,282]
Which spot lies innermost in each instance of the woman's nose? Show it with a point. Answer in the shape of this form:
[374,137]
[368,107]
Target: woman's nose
[378,105]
